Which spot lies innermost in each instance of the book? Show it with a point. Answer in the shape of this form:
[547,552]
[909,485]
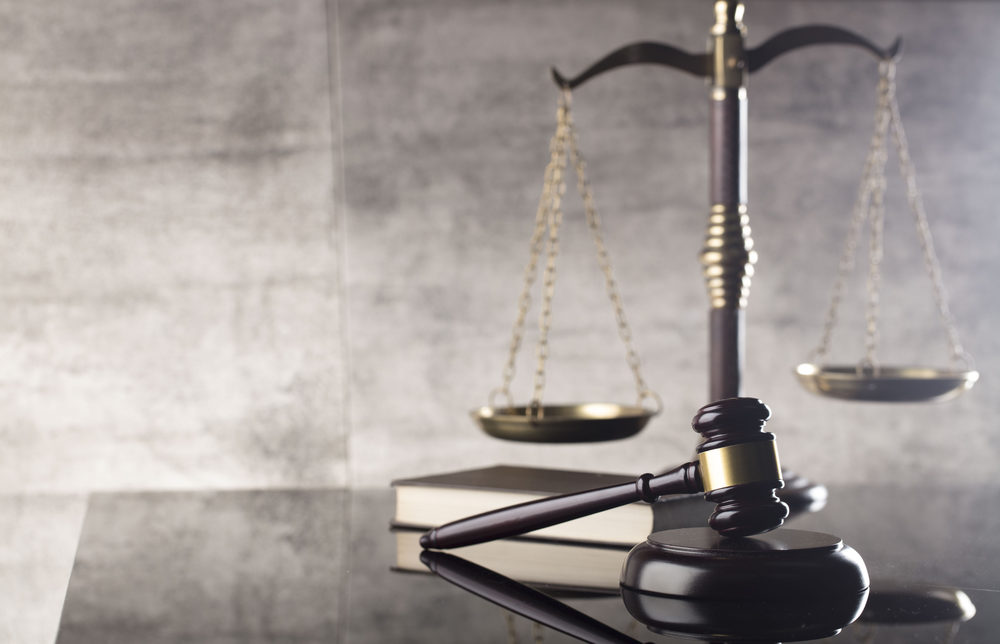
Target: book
[429,501]
[559,567]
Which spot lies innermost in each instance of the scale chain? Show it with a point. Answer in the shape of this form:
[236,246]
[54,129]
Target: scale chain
[553,222]
[915,201]
[846,265]
[876,214]
[604,261]
[859,216]
[548,219]
[870,207]
[536,244]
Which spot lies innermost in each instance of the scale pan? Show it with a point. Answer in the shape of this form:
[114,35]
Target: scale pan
[889,384]
[581,423]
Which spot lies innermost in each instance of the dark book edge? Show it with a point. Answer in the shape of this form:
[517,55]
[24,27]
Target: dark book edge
[531,480]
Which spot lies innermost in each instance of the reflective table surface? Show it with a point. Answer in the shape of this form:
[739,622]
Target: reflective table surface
[321,566]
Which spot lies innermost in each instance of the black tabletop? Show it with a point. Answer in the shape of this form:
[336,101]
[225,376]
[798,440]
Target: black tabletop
[321,566]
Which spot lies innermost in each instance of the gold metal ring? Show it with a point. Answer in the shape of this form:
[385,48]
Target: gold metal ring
[738,464]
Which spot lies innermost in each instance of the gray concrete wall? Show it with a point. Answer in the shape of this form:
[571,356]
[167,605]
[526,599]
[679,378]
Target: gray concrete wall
[170,259]
[259,244]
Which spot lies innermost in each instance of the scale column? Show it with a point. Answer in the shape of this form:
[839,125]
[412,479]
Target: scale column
[728,256]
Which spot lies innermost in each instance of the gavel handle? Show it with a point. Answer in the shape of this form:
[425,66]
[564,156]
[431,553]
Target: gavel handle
[535,515]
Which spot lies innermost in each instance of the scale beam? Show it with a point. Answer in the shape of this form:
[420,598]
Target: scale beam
[655,53]
[639,53]
[810,35]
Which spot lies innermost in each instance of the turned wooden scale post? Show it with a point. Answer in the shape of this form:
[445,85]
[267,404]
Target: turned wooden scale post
[728,256]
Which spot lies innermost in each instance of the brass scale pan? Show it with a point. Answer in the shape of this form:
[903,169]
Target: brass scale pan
[580,423]
[886,384]
[867,381]
[566,423]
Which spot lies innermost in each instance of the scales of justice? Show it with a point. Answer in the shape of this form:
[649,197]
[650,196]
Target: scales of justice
[738,466]
[728,255]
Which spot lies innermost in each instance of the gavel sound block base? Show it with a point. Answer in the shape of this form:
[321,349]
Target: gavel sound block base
[780,585]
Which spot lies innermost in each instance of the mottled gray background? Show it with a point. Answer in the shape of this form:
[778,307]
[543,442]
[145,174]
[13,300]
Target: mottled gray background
[252,244]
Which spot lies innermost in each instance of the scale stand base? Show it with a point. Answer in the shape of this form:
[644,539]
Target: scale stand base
[800,494]
[783,585]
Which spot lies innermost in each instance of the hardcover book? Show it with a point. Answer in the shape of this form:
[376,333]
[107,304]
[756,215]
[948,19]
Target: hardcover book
[429,501]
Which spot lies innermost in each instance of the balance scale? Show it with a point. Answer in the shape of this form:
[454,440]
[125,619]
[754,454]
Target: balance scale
[728,255]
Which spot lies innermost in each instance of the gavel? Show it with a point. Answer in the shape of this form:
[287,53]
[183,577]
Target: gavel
[737,469]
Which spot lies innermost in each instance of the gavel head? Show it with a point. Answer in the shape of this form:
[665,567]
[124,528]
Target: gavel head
[738,463]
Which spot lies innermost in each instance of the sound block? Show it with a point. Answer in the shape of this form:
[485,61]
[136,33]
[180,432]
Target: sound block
[783,585]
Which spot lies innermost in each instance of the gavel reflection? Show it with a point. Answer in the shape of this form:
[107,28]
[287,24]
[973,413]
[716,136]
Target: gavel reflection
[737,469]
[765,620]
